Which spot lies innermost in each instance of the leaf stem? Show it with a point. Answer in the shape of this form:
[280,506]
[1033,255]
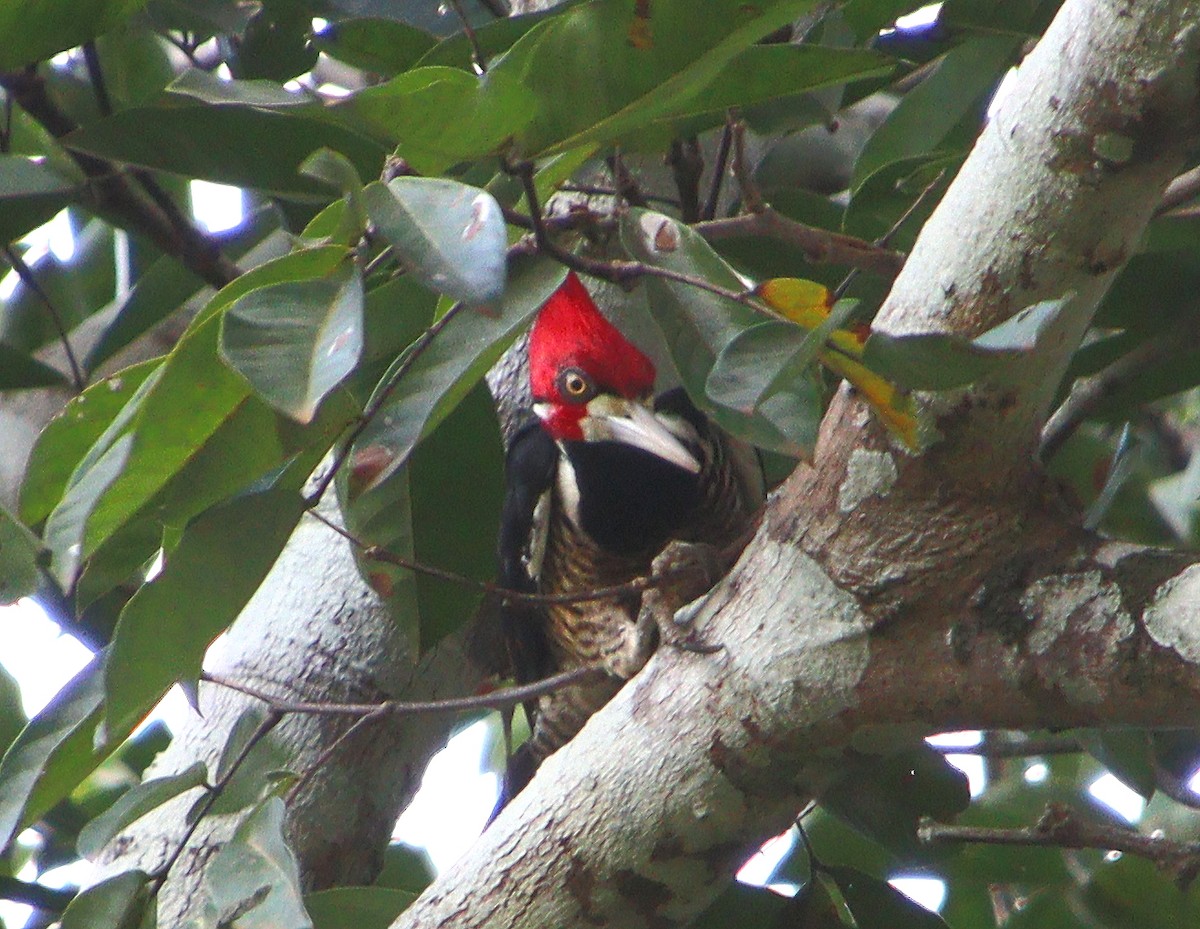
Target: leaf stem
[25,273]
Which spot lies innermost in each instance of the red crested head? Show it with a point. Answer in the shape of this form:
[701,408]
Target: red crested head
[575,354]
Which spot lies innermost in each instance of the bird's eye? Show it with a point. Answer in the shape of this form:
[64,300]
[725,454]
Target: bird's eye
[575,386]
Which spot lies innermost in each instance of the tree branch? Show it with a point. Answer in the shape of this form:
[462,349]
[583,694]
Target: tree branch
[115,194]
[1062,827]
[819,245]
[870,563]
[1090,392]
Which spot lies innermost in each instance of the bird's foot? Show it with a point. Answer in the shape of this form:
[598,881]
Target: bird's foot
[694,567]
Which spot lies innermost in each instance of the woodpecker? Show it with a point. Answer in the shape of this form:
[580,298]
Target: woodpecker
[600,481]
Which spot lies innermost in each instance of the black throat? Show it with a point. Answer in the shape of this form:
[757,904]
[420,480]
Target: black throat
[630,500]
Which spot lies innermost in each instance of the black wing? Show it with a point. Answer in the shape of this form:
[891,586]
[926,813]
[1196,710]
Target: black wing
[529,470]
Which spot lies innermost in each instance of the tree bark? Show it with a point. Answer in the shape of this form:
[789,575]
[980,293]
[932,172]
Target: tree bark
[314,631]
[887,595]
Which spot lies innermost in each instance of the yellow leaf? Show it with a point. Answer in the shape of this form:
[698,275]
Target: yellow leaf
[804,302]
[894,408]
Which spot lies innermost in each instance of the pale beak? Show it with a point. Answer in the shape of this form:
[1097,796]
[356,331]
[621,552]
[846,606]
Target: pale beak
[618,420]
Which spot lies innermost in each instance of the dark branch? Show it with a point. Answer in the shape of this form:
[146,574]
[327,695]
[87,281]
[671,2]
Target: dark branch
[1061,827]
[687,167]
[718,175]
[118,196]
[36,895]
[477,57]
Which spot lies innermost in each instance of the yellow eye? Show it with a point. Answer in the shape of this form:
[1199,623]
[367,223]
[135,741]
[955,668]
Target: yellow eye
[575,385]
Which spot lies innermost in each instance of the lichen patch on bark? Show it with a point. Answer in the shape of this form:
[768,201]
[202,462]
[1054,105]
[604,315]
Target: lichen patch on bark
[868,473]
[1173,618]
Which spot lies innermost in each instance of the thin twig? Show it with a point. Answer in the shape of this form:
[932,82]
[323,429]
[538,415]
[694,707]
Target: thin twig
[6,132]
[373,265]
[1015,748]
[270,721]
[637,585]
[477,57]
[498,699]
[330,750]
[599,190]
[628,189]
[91,60]
[1089,393]
[718,175]
[687,167]
[575,219]
[1061,827]
[25,273]
[752,198]
[884,240]
[820,246]
[616,271]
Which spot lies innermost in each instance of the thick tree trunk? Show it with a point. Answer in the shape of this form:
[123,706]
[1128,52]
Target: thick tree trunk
[888,595]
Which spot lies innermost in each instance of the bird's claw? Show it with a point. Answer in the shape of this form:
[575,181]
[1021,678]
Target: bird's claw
[671,607]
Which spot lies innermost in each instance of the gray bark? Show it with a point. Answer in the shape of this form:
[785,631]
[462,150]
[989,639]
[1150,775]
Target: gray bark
[888,595]
[313,631]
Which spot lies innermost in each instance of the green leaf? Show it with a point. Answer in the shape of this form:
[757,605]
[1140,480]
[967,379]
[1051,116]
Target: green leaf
[18,370]
[357,907]
[19,553]
[436,117]
[453,361]
[405,868]
[254,881]
[697,325]
[53,753]
[158,293]
[12,713]
[77,289]
[30,193]
[766,72]
[219,562]
[601,70]
[1127,753]
[265,759]
[166,286]
[238,145]
[936,361]
[885,797]
[381,46]
[120,902]
[926,115]
[743,906]
[32,30]
[768,357]
[300,265]
[451,236]
[133,805]
[873,902]
[441,510]
[296,341]
[208,88]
